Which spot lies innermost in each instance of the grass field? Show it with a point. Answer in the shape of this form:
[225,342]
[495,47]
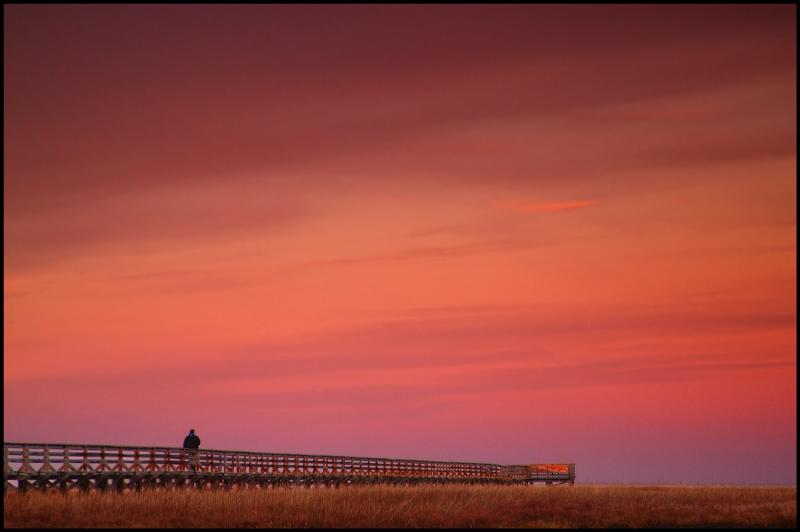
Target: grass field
[420,506]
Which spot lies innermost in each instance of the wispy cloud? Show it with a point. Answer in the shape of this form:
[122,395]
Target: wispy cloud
[431,252]
[543,207]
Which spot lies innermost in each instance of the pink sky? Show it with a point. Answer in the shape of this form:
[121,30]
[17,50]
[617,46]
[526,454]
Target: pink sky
[506,234]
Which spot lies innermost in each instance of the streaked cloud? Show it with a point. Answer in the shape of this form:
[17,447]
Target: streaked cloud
[540,207]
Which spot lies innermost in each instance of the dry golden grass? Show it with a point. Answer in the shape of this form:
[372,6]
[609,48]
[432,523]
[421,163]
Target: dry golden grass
[419,506]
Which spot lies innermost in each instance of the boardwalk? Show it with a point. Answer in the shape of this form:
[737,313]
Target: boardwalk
[68,466]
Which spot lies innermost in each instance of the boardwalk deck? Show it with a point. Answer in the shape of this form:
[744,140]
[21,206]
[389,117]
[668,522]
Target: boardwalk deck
[102,467]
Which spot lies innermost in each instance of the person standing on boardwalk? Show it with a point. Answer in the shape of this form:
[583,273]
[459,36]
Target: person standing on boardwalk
[191,443]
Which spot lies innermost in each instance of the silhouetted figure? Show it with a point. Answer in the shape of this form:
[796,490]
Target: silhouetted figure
[191,443]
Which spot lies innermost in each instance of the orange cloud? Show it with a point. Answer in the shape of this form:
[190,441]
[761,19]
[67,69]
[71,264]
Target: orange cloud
[538,207]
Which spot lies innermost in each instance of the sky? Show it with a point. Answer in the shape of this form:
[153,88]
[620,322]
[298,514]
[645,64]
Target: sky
[506,234]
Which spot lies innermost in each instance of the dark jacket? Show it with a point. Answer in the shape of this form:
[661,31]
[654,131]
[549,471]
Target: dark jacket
[191,442]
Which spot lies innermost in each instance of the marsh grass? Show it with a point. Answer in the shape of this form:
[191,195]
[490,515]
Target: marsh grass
[419,506]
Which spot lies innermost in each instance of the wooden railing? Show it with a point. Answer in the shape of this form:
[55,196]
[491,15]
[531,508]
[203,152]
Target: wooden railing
[30,460]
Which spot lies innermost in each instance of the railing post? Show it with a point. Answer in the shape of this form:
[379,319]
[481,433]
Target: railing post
[152,465]
[47,467]
[103,464]
[66,466]
[6,466]
[85,465]
[137,463]
[26,461]
[167,466]
[120,461]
